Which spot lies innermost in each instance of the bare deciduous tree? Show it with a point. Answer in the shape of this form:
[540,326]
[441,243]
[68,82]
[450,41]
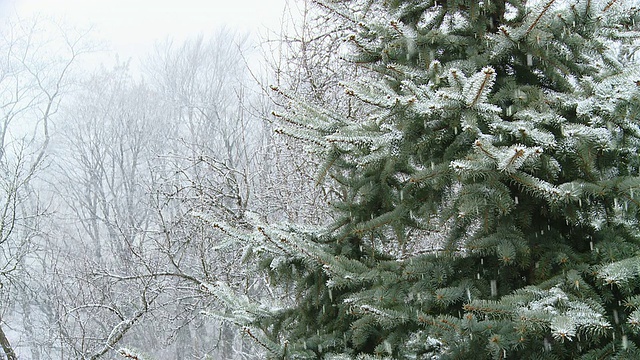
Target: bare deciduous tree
[139,157]
[115,256]
[35,74]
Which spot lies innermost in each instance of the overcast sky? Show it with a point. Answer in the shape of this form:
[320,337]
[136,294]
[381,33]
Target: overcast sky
[132,26]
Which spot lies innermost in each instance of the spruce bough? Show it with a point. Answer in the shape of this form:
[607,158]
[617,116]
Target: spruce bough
[490,194]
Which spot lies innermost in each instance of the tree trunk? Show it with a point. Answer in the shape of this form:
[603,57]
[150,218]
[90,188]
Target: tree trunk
[6,346]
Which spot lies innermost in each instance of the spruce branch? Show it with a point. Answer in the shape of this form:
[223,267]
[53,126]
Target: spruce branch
[269,347]
[484,150]
[457,79]
[609,5]
[277,244]
[488,308]
[546,8]
[484,86]
[444,323]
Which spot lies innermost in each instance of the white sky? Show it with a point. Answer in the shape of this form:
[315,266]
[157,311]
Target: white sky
[132,26]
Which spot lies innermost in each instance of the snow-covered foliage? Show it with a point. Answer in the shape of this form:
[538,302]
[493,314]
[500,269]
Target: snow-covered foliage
[489,187]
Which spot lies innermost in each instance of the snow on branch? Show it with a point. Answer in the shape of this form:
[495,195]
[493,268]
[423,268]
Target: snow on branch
[479,86]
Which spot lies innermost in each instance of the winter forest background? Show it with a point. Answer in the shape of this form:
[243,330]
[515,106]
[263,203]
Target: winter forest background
[102,170]
[374,180]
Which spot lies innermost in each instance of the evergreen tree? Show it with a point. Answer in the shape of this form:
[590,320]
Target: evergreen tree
[491,194]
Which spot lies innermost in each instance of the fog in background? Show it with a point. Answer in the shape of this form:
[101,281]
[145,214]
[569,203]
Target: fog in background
[125,128]
[130,28]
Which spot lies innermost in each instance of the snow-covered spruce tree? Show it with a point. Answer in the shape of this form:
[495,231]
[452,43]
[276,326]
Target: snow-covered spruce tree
[491,195]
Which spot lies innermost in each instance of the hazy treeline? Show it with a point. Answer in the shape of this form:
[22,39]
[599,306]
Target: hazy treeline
[108,178]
